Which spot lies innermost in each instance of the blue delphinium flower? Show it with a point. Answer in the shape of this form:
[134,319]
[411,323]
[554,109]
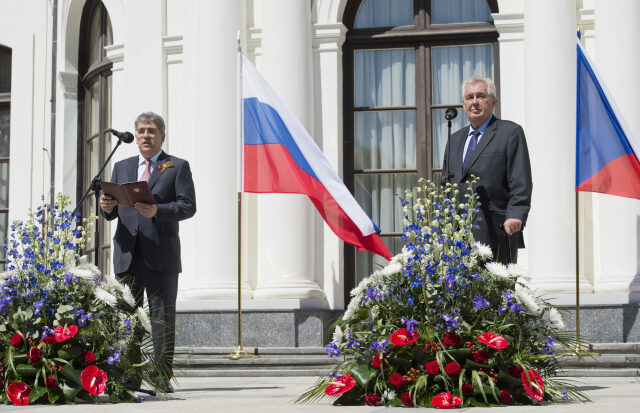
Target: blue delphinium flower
[127,325]
[410,302]
[38,305]
[332,349]
[516,308]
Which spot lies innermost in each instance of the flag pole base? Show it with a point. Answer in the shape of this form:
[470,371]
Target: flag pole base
[240,353]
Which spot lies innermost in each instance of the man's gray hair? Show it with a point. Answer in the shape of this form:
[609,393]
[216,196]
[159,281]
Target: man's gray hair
[491,87]
[148,117]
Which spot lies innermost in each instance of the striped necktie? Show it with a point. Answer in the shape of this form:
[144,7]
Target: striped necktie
[472,145]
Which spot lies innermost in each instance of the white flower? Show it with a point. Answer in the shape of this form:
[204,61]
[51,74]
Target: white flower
[104,296]
[526,298]
[111,282]
[518,272]
[391,268]
[483,250]
[360,287]
[375,311]
[497,269]
[85,271]
[556,318]
[351,308]
[144,319]
[5,275]
[128,296]
[338,334]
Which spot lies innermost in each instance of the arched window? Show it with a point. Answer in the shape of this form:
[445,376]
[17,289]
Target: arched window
[404,62]
[94,105]
[5,118]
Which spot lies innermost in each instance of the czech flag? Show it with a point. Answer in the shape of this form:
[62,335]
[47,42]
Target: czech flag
[606,151]
[280,156]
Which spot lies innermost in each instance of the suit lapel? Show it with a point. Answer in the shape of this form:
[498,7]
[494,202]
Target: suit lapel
[458,147]
[155,175]
[132,170]
[486,138]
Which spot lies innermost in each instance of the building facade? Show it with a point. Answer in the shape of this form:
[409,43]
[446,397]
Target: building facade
[369,79]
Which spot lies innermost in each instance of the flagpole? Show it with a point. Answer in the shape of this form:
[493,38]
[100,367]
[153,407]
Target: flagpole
[240,353]
[577,273]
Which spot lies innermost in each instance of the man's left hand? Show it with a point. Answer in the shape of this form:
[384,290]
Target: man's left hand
[147,210]
[512,225]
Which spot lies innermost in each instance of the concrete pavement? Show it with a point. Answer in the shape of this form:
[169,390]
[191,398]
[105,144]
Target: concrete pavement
[275,394]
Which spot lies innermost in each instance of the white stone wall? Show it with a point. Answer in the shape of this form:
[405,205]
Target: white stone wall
[178,58]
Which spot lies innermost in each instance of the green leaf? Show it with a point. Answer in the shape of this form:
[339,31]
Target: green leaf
[26,370]
[53,397]
[363,374]
[69,372]
[70,392]
[37,393]
[69,353]
[459,354]
[470,364]
[395,403]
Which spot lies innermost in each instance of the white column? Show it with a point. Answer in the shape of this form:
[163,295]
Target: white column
[285,227]
[209,142]
[550,99]
[327,58]
[616,222]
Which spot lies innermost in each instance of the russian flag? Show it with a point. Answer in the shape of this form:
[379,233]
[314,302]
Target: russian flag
[280,156]
[606,152]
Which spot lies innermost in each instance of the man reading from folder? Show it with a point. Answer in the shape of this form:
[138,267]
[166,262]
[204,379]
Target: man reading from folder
[146,245]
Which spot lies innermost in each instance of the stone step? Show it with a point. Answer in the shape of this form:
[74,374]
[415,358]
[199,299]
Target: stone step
[599,372]
[265,361]
[605,360]
[231,372]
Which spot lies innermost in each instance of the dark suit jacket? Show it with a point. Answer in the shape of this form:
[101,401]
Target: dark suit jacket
[501,161]
[176,200]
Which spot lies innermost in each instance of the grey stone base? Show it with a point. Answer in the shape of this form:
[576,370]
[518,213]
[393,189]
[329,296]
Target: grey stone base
[309,327]
[606,323]
[260,328]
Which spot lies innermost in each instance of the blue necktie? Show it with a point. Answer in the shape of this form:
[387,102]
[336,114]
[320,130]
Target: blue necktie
[472,145]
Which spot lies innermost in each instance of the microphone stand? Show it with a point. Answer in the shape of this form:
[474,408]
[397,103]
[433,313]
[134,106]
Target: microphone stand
[95,187]
[447,176]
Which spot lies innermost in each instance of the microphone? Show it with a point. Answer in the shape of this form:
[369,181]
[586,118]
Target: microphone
[450,113]
[126,137]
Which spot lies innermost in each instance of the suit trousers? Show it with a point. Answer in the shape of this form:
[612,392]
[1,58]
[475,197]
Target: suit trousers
[162,290]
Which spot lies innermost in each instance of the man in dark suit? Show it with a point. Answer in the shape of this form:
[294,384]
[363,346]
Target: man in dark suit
[495,151]
[146,245]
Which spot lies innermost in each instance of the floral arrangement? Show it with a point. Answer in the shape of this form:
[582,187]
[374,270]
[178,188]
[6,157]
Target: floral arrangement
[441,326]
[67,331]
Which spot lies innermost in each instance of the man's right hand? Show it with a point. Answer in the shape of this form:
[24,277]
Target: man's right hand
[107,203]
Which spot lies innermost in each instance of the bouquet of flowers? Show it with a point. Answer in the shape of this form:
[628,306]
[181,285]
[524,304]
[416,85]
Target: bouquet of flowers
[67,331]
[441,326]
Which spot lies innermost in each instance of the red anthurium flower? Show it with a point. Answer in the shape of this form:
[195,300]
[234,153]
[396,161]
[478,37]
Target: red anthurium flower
[445,401]
[65,333]
[467,389]
[94,380]
[505,397]
[397,380]
[18,393]
[372,399]
[340,385]
[534,386]
[450,339]
[34,354]
[432,367]
[379,361]
[16,340]
[495,341]
[481,355]
[401,337]
[516,371]
[51,382]
[452,369]
[405,398]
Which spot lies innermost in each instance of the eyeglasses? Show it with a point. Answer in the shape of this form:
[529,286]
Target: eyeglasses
[150,131]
